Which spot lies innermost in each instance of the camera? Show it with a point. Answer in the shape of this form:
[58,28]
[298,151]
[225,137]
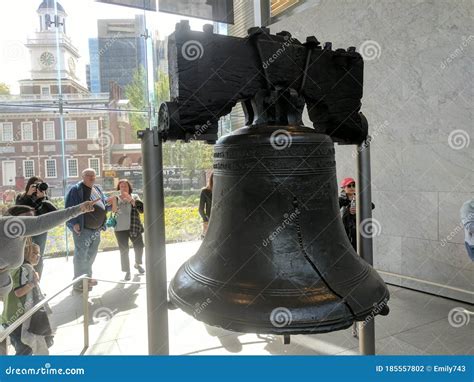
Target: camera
[41,186]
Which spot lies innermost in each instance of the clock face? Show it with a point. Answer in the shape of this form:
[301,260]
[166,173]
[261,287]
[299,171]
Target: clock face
[72,64]
[47,59]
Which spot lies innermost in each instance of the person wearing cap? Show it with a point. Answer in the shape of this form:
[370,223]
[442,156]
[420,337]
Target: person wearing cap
[467,219]
[348,209]
[347,203]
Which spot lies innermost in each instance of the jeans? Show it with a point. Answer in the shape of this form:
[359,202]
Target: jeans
[86,245]
[470,250]
[41,241]
[15,338]
[122,240]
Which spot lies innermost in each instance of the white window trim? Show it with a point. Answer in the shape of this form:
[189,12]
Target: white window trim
[46,169]
[24,167]
[23,138]
[98,165]
[88,129]
[67,168]
[75,130]
[45,123]
[2,125]
[49,90]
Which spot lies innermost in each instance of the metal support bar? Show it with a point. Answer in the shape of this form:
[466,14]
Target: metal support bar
[364,241]
[155,250]
[262,13]
[85,304]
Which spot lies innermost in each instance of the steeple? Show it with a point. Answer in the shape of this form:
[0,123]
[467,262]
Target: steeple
[49,18]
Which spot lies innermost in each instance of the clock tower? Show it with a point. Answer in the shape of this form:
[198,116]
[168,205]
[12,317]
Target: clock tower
[52,54]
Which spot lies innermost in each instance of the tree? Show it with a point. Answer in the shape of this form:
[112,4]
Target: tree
[136,94]
[191,157]
[4,89]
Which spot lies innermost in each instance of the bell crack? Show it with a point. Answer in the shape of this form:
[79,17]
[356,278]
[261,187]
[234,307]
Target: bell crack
[310,262]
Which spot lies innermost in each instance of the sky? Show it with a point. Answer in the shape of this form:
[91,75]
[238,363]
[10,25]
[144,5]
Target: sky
[19,20]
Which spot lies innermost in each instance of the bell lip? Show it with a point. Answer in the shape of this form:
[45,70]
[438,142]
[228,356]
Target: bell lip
[265,131]
[242,326]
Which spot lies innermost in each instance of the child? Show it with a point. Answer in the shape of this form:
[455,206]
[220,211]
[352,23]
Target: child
[24,295]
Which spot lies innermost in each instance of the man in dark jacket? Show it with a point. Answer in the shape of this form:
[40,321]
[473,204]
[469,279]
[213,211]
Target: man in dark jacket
[86,228]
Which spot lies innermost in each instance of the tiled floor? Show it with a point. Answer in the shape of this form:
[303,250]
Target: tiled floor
[417,323]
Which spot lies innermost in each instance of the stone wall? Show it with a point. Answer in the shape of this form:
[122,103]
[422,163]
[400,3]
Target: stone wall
[418,97]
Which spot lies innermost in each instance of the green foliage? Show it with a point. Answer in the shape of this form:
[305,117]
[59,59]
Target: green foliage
[4,89]
[136,93]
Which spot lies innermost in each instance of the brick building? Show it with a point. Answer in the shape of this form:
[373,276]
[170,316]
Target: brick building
[55,127]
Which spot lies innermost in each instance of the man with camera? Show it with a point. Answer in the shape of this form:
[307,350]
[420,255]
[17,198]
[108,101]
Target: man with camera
[86,229]
[35,197]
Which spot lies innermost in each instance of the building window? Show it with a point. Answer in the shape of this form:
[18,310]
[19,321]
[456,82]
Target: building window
[6,132]
[45,91]
[28,168]
[92,129]
[50,165]
[71,130]
[26,131]
[72,171]
[48,131]
[94,163]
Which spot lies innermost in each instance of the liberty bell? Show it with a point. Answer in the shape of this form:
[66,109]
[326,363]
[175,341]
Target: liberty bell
[276,258]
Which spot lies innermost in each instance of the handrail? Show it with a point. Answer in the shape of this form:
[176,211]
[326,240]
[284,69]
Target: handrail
[5,333]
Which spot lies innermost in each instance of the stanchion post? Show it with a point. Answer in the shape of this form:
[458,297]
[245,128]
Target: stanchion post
[364,242]
[155,250]
[85,304]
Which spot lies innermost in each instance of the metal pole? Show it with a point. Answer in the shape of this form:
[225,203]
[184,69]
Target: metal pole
[364,242]
[155,250]
[262,12]
[85,304]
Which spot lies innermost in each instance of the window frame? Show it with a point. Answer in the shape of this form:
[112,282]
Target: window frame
[45,125]
[66,123]
[67,167]
[97,170]
[96,121]
[2,131]
[46,168]
[22,129]
[24,168]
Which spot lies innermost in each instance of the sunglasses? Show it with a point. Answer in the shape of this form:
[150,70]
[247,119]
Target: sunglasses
[351,185]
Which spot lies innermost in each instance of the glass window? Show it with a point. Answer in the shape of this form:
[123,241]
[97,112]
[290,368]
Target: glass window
[6,131]
[48,130]
[71,130]
[50,166]
[94,163]
[72,171]
[28,168]
[92,129]
[26,131]
[45,91]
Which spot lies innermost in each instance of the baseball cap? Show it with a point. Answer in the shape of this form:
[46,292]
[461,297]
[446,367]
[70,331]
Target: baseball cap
[347,181]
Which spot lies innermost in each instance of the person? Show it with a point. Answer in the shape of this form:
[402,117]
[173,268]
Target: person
[9,197]
[205,203]
[467,219]
[19,223]
[86,229]
[347,204]
[26,293]
[127,207]
[348,209]
[33,196]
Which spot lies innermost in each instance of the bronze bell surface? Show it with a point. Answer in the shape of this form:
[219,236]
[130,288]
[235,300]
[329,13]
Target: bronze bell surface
[276,258]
